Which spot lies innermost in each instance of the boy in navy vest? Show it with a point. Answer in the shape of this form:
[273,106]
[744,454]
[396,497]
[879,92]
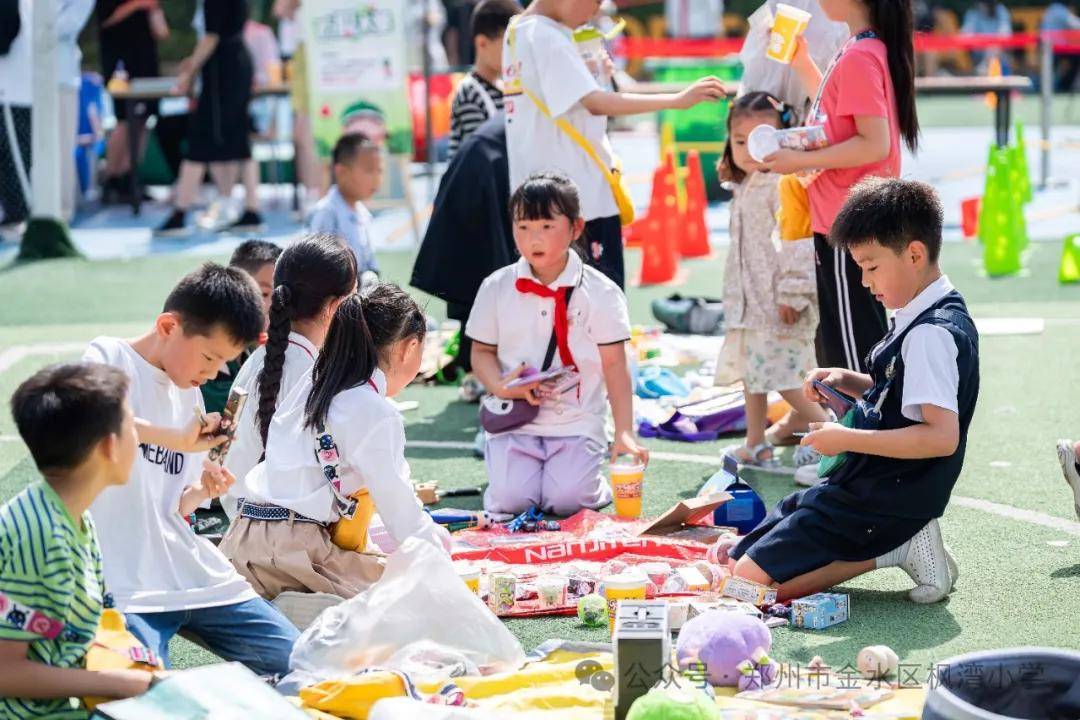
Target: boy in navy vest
[891,463]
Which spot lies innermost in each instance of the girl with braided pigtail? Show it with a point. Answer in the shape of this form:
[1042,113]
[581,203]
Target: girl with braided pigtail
[311,278]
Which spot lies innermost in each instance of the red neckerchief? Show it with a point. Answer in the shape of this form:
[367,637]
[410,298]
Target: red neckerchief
[302,347]
[562,325]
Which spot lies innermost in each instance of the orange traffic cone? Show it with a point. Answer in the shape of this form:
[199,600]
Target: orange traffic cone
[694,238]
[635,231]
[969,216]
[659,261]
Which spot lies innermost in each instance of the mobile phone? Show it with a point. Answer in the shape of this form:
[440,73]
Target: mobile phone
[233,407]
[833,399]
[538,377]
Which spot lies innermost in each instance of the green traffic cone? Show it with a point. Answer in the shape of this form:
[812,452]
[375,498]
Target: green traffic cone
[1070,260]
[996,195]
[1019,156]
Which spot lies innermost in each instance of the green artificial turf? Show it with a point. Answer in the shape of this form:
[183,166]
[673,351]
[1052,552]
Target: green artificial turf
[1020,585]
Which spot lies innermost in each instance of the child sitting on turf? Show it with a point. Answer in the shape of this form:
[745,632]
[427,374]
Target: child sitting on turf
[549,299]
[770,302]
[81,434]
[311,278]
[256,258]
[335,435]
[358,170]
[902,447]
[479,94]
[162,576]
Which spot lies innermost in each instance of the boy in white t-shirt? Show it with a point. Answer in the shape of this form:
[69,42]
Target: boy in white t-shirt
[161,575]
[540,59]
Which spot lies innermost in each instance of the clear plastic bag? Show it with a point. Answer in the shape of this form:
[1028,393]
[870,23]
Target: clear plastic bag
[823,37]
[419,598]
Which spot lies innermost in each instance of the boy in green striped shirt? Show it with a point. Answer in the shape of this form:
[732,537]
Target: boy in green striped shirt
[79,428]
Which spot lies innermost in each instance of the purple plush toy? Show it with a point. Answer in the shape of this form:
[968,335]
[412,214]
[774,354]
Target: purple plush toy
[732,646]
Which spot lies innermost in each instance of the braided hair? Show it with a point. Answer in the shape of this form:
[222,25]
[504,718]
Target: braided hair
[310,272]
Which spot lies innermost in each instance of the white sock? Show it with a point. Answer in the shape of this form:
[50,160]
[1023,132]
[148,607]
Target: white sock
[893,558]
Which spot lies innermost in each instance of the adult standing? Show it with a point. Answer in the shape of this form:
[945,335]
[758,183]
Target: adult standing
[128,34]
[220,128]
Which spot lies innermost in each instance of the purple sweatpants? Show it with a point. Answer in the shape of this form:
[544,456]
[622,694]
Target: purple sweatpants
[560,475]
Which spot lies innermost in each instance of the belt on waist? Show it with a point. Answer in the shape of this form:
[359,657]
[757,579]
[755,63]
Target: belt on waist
[268,512]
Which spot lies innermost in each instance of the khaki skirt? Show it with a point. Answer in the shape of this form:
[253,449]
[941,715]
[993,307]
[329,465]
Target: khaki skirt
[280,555]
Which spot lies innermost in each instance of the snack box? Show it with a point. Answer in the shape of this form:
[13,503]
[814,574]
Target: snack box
[748,591]
[819,611]
[700,607]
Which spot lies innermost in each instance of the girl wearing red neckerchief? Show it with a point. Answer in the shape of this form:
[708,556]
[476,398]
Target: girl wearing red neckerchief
[550,310]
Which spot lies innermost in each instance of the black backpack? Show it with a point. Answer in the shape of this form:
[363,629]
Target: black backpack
[10,24]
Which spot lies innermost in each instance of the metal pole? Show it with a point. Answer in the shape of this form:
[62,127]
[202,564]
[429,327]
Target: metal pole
[429,141]
[1046,88]
[45,120]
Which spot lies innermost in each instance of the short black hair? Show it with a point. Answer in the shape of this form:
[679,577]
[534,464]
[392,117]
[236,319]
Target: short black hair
[251,256]
[892,211]
[212,296]
[349,146]
[63,411]
[490,17]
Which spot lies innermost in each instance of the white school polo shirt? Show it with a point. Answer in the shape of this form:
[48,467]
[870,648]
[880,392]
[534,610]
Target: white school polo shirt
[153,560]
[931,376]
[370,435]
[247,447]
[539,53]
[520,325]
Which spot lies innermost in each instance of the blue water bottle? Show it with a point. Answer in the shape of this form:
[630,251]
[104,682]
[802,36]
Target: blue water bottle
[745,509]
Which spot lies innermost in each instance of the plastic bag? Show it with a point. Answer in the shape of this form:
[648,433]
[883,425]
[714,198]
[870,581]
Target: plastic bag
[419,598]
[823,36]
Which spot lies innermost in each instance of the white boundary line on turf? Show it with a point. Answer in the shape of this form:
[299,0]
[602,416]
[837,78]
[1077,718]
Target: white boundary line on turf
[1006,511]
[9,357]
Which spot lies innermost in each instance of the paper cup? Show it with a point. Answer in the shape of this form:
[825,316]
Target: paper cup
[628,586]
[471,577]
[788,24]
[626,485]
[551,592]
[762,142]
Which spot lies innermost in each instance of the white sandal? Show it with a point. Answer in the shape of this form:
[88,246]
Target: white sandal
[752,457]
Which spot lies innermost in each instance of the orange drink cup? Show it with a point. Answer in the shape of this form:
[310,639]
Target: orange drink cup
[627,479]
[626,586]
[788,24]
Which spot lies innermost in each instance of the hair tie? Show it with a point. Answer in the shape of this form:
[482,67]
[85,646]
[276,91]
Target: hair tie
[282,295]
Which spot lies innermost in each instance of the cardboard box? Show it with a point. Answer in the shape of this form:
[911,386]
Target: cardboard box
[700,607]
[748,591]
[687,516]
[819,611]
[695,581]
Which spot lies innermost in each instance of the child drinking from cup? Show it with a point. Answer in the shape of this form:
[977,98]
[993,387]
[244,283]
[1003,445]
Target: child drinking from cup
[769,290]
[555,461]
[866,102]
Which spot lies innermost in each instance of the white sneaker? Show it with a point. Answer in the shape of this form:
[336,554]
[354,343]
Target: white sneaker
[927,564]
[806,476]
[1067,457]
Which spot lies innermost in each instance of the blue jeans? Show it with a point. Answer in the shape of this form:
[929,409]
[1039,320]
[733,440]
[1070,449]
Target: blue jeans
[253,633]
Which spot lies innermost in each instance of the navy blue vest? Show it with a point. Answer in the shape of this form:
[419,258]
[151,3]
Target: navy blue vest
[913,488]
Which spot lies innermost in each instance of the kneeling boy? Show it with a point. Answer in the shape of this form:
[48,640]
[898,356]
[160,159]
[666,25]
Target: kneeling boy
[903,452]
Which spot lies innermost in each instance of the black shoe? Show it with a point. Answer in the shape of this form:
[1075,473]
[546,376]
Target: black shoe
[249,222]
[174,226]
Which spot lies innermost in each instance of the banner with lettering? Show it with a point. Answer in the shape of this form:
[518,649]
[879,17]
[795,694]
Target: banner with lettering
[357,71]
